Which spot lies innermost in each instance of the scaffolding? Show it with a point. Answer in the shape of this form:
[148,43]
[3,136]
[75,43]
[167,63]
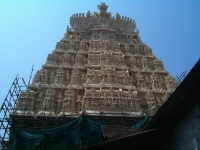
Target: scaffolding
[6,108]
[8,105]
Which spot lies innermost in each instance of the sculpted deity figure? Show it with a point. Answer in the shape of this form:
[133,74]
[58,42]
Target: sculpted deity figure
[131,39]
[131,104]
[77,36]
[113,103]
[123,103]
[88,15]
[109,102]
[118,17]
[58,104]
[66,104]
[137,104]
[104,102]
[153,107]
[79,106]
[95,36]
[119,103]
[60,96]
[72,105]
[147,51]
[155,81]
[103,36]
[133,62]
[40,95]
[96,103]
[71,37]
[82,45]
[105,45]
[103,7]
[127,48]
[158,65]
[44,104]
[112,36]
[145,63]
[59,76]
[117,46]
[67,35]
[158,101]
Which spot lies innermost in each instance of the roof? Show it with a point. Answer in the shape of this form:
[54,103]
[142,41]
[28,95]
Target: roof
[139,141]
[114,132]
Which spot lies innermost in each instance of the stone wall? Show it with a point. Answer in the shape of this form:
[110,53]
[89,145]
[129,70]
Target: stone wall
[186,134]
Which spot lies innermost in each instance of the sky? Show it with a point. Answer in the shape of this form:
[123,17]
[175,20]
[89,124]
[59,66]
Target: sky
[30,29]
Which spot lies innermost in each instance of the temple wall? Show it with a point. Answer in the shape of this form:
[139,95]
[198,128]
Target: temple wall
[186,134]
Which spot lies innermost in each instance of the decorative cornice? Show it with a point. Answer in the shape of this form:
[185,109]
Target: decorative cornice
[80,22]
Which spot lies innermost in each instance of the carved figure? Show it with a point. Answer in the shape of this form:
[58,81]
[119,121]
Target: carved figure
[103,7]
[118,17]
[88,15]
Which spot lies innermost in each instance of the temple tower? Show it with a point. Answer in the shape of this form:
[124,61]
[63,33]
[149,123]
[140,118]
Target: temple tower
[100,67]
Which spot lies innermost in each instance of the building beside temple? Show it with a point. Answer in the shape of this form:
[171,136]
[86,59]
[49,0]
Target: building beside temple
[101,66]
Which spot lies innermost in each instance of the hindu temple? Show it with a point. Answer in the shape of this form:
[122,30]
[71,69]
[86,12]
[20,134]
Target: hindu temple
[100,67]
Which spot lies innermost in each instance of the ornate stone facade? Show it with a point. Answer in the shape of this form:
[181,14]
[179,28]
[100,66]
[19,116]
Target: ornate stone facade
[101,67]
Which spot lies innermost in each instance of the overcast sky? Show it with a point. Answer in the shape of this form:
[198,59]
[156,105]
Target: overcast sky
[30,29]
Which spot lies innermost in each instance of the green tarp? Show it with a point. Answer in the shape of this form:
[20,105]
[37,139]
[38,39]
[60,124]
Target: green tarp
[142,123]
[79,133]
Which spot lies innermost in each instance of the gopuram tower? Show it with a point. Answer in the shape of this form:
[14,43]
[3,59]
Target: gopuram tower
[100,67]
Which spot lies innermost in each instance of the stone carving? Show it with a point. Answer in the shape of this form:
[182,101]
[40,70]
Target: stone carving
[75,77]
[118,17]
[145,63]
[59,76]
[158,65]
[132,38]
[79,59]
[103,7]
[51,60]
[152,103]
[40,77]
[26,100]
[66,59]
[171,83]
[100,66]
[88,15]
[133,63]
[48,103]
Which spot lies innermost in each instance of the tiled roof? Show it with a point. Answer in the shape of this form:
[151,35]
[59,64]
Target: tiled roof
[113,132]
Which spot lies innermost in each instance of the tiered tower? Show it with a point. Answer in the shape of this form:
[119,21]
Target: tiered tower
[100,67]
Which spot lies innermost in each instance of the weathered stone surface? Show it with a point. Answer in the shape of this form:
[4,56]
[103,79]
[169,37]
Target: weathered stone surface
[100,66]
